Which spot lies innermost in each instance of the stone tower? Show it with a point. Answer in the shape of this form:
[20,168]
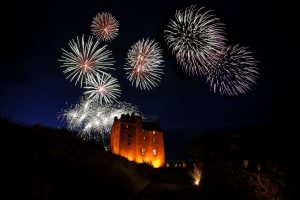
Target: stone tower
[137,140]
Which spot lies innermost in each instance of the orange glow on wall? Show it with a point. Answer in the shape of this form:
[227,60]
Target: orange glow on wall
[138,141]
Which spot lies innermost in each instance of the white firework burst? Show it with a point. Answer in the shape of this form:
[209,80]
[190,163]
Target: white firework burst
[196,37]
[93,121]
[144,64]
[103,88]
[235,73]
[85,60]
[105,26]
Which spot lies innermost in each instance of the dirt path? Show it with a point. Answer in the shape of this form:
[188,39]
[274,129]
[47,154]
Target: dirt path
[169,185]
[157,190]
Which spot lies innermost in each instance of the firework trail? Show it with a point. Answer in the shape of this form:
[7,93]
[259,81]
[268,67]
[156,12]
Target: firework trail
[105,27]
[144,64]
[103,88]
[85,60]
[195,37]
[235,73]
[93,121]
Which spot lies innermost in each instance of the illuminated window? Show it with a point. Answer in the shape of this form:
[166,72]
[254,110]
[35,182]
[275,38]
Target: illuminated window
[144,138]
[154,152]
[126,126]
[143,151]
[143,130]
[154,140]
[153,132]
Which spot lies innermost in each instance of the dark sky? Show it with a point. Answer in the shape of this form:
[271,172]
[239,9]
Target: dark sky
[34,89]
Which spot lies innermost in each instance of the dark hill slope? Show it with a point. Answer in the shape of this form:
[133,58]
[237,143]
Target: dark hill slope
[45,163]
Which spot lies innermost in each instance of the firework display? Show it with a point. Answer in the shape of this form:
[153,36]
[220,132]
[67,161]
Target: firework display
[144,64]
[105,27]
[195,37]
[85,59]
[235,73]
[103,88]
[94,121]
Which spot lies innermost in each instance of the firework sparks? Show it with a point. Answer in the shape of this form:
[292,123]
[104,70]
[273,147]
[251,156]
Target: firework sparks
[85,60]
[94,121]
[105,27]
[235,73]
[196,37]
[103,88]
[144,64]
[197,174]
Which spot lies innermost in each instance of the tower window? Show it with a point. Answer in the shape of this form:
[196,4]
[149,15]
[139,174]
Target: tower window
[126,126]
[154,152]
[144,138]
[143,151]
[153,132]
[154,140]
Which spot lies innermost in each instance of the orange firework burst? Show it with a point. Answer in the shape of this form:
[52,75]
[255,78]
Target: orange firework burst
[105,27]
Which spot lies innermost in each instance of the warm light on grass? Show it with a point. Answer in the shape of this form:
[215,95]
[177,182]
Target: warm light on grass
[196,182]
[196,174]
[157,164]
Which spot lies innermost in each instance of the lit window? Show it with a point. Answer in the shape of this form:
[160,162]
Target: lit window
[143,151]
[126,126]
[154,140]
[154,152]
[153,132]
[143,130]
[144,138]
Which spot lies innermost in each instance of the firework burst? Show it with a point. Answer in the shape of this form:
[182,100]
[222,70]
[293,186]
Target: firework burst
[105,27]
[235,73]
[103,88]
[196,37]
[93,121]
[85,60]
[144,64]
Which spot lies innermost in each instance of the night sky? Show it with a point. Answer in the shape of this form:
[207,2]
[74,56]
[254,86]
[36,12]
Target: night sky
[34,89]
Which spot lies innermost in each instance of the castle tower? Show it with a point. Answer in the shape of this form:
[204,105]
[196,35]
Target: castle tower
[137,140]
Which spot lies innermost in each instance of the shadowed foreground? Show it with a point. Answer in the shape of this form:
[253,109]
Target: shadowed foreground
[48,164]
[53,164]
